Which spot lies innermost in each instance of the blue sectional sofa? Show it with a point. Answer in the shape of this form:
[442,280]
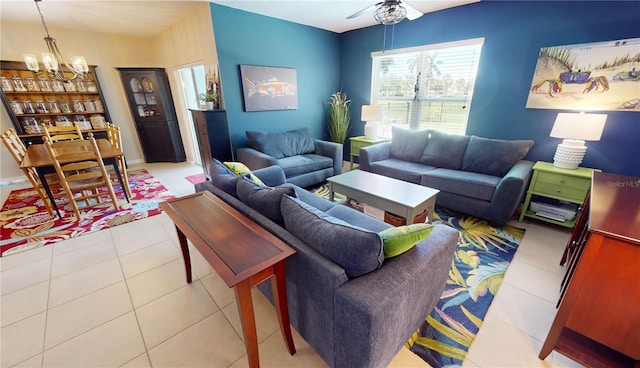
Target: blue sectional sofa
[354,307]
[305,161]
[478,176]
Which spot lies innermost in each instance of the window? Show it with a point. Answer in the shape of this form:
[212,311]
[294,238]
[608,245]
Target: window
[426,87]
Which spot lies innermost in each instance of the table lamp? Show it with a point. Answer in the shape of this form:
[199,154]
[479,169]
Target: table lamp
[574,129]
[370,115]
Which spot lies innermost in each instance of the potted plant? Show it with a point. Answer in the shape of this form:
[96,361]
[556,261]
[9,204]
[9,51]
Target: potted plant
[208,100]
[339,117]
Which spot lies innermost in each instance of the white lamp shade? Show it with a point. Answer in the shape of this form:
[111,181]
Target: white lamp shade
[581,126]
[371,113]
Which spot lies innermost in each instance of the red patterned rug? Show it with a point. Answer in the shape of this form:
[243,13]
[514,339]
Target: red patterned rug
[27,225]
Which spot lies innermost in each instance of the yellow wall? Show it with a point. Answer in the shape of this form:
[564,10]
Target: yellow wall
[189,41]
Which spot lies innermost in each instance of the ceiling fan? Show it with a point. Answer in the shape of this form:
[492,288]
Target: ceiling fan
[390,12]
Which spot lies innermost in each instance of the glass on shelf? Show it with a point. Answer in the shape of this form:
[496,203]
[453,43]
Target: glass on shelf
[46,121]
[18,86]
[135,85]
[57,86]
[6,84]
[70,87]
[91,86]
[63,121]
[80,86]
[31,126]
[98,103]
[27,107]
[147,85]
[64,107]
[53,105]
[89,106]
[141,111]
[77,106]
[41,108]
[82,122]
[98,121]
[16,107]
[31,85]
[45,86]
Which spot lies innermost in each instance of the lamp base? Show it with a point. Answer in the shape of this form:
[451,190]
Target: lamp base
[370,130]
[569,154]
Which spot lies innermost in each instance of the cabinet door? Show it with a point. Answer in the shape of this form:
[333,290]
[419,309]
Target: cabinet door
[157,142]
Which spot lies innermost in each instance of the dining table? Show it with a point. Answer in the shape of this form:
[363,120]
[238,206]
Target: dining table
[38,157]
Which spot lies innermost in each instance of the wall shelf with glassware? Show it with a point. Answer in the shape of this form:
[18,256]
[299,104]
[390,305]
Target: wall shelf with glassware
[32,99]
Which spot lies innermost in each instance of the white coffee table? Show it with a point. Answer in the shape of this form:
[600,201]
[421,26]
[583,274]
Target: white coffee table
[392,195]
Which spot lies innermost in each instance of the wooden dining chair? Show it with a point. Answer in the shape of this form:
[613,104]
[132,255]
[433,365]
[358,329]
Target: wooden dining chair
[18,151]
[81,172]
[115,138]
[62,132]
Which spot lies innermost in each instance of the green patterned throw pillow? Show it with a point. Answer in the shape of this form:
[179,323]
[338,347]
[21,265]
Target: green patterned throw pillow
[397,240]
[239,168]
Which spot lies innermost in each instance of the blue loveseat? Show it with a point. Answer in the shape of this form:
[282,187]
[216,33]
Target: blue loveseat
[304,160]
[478,176]
[355,308]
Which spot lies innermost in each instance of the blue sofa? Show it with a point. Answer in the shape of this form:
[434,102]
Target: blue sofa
[355,308]
[478,176]
[305,161]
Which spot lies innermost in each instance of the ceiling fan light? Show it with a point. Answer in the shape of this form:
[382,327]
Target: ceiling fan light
[389,14]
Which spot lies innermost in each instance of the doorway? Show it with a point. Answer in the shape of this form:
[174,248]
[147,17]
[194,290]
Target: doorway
[192,81]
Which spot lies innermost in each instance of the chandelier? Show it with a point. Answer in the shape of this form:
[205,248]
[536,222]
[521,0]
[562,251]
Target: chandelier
[55,65]
[390,13]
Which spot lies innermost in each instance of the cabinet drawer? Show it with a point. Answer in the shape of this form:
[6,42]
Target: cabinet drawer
[566,181]
[560,191]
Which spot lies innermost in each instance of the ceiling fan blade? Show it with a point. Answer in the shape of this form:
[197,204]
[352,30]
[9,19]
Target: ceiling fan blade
[412,13]
[363,11]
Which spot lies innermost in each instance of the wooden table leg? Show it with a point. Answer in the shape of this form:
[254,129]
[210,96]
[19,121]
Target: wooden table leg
[185,253]
[245,308]
[279,286]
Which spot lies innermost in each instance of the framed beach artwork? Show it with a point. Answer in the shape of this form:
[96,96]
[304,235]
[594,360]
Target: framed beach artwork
[269,88]
[588,77]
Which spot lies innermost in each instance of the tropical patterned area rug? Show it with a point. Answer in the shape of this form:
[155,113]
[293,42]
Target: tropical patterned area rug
[27,225]
[480,262]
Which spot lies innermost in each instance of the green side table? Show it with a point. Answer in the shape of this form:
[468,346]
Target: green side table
[359,142]
[562,184]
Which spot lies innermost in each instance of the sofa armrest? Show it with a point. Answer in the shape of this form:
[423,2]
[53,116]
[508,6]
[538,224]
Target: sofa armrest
[271,176]
[373,153]
[332,150]
[510,191]
[254,159]
[375,314]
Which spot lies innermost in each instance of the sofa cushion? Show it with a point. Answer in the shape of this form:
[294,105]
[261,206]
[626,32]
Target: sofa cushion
[397,240]
[302,164]
[356,250]
[265,200]
[493,156]
[445,150]
[279,145]
[223,178]
[408,145]
[238,168]
[400,169]
[357,218]
[464,183]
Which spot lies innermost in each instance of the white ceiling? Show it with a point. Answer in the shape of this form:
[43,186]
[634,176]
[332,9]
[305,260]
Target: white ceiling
[147,18]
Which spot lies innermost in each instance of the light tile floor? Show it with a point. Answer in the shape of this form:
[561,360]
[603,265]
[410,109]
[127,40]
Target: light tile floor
[118,298]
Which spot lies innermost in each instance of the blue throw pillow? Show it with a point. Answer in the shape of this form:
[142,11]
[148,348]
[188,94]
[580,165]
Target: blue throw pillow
[408,145]
[223,178]
[356,250]
[445,150]
[265,200]
[279,145]
[493,156]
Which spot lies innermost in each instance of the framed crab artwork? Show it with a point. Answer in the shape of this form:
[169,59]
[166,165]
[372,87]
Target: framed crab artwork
[269,88]
[588,77]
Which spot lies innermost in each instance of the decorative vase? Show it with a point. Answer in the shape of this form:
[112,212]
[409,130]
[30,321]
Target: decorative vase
[370,130]
[209,105]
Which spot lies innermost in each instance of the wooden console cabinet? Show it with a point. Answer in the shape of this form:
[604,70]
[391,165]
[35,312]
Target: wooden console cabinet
[212,134]
[598,320]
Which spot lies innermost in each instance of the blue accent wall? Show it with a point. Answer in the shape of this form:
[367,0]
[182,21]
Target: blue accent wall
[247,38]
[514,32]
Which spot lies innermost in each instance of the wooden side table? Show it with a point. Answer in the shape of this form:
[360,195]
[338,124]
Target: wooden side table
[556,183]
[359,142]
[242,252]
